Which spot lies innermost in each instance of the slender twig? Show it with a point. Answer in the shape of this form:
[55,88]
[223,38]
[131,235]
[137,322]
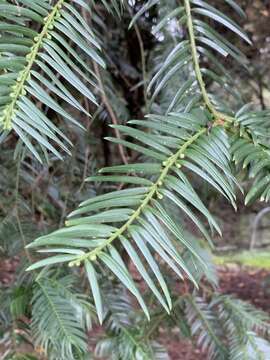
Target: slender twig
[17,216]
[110,111]
[261,97]
[143,59]
[106,102]
[85,168]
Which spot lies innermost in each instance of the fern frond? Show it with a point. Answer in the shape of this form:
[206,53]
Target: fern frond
[241,313]
[204,326]
[139,210]
[258,348]
[253,348]
[242,322]
[250,151]
[56,323]
[186,54]
[124,331]
[33,64]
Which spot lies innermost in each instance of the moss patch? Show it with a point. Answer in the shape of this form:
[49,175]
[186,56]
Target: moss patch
[258,259]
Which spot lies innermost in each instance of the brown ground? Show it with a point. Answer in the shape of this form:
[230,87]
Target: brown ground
[252,285]
[247,284]
[183,350]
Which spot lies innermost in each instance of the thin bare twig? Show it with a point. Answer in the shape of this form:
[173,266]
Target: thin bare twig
[143,60]
[17,216]
[110,111]
[105,100]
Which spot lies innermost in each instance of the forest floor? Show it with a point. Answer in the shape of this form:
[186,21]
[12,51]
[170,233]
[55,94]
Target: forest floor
[248,284]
